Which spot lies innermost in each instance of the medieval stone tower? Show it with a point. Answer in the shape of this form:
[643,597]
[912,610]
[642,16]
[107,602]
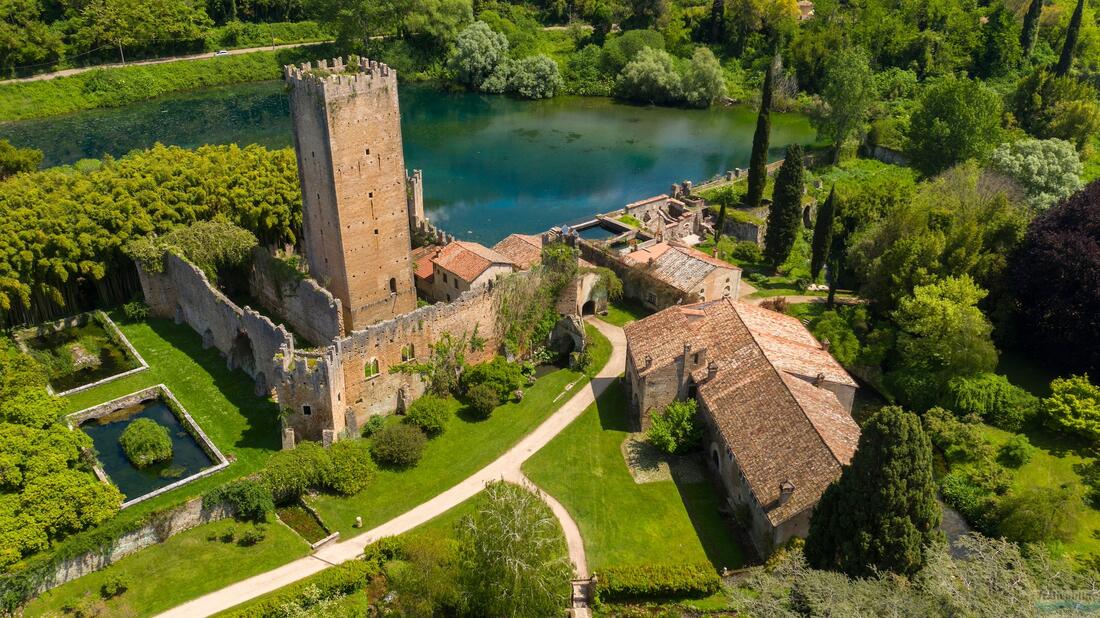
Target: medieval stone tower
[355,217]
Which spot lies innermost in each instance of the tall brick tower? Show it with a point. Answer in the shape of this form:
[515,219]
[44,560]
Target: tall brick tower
[355,220]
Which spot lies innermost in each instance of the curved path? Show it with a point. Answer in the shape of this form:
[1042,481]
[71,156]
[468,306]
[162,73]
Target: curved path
[507,467]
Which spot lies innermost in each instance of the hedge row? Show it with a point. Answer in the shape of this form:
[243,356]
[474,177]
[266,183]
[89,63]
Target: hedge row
[341,580]
[657,581]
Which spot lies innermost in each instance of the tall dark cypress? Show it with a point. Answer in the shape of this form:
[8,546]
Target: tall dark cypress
[1031,27]
[1065,62]
[823,234]
[718,21]
[785,215]
[881,515]
[758,161]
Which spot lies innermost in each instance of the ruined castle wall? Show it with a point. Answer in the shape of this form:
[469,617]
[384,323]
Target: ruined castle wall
[247,339]
[310,390]
[300,302]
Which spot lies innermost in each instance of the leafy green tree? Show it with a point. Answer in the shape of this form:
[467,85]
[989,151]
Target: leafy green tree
[650,78]
[434,25]
[1048,170]
[993,398]
[352,467]
[785,215]
[353,21]
[703,80]
[619,51]
[31,407]
[425,581]
[823,234]
[847,92]
[1030,31]
[758,159]
[882,514]
[124,23]
[956,119]
[25,38]
[941,335]
[399,445]
[146,442]
[430,413]
[499,374]
[535,77]
[676,429]
[514,558]
[478,51]
[1069,46]
[1040,514]
[1048,106]
[15,160]
[1000,52]
[1074,407]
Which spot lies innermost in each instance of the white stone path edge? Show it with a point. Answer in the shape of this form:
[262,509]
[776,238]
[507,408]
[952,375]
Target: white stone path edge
[506,467]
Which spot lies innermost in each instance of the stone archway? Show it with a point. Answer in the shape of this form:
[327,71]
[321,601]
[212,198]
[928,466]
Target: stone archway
[588,308]
[207,339]
[240,354]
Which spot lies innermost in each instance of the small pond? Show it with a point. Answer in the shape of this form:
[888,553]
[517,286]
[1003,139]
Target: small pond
[598,232]
[188,456]
[79,354]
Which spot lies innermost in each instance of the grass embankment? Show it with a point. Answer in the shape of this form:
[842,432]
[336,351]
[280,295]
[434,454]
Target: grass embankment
[624,311]
[114,87]
[624,522]
[185,566]
[464,448]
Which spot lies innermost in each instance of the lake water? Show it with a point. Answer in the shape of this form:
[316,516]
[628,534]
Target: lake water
[492,165]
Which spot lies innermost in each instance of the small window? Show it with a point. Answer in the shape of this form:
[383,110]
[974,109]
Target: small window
[444,277]
[695,358]
[371,368]
[651,298]
[306,410]
[448,298]
[393,285]
[408,353]
[368,150]
[455,283]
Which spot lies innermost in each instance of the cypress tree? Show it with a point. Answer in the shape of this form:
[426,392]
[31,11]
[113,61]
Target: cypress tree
[882,512]
[758,161]
[823,234]
[1065,62]
[785,216]
[1031,27]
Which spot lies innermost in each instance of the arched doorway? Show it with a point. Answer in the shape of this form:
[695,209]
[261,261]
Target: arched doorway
[240,354]
[588,308]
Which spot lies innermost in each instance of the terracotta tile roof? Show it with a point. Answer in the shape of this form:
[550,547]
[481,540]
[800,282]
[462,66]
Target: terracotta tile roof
[422,259]
[468,260]
[789,346]
[779,427]
[523,249]
[676,265]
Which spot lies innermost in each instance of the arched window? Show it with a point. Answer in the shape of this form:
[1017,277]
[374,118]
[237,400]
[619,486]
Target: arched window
[393,285]
[408,353]
[371,368]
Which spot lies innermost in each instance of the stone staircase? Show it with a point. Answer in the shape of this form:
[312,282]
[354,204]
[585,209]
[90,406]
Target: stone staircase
[582,594]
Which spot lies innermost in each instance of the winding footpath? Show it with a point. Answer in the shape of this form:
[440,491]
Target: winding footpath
[506,467]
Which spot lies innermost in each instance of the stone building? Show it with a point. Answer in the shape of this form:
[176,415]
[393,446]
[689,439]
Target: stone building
[776,405]
[355,202]
[664,274]
[524,250]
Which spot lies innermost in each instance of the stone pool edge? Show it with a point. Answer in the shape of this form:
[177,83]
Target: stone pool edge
[158,390]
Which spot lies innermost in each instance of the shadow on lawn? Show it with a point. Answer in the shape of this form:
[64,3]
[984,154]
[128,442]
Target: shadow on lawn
[261,414]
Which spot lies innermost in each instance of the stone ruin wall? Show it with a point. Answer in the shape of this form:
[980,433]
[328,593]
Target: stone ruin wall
[309,309]
[248,340]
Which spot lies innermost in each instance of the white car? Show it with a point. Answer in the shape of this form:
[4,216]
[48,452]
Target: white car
[221,52]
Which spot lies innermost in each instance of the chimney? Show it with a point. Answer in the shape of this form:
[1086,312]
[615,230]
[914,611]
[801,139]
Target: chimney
[687,353]
[786,489]
[648,361]
[819,380]
[825,344]
[712,370]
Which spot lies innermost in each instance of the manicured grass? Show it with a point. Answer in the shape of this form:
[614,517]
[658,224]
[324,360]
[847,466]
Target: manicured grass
[465,447]
[185,566]
[621,521]
[624,311]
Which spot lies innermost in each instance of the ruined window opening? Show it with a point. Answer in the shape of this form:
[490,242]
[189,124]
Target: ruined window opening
[393,285]
[408,353]
[306,410]
[370,370]
[368,150]
[375,230]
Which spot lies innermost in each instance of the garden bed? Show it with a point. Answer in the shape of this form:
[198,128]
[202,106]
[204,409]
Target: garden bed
[81,352]
[193,454]
[303,521]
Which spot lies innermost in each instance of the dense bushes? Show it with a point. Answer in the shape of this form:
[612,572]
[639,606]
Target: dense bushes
[250,499]
[352,467]
[338,581]
[430,413]
[654,76]
[483,399]
[398,445]
[993,398]
[146,442]
[499,374]
[676,429]
[657,581]
[1074,407]
[290,473]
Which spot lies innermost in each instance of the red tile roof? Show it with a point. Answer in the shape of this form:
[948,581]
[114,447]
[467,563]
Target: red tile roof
[523,249]
[468,260]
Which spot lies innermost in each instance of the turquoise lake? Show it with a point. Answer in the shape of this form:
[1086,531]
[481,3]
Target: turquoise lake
[492,165]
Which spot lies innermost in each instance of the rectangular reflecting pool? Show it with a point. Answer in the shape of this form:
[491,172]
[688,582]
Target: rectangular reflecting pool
[192,454]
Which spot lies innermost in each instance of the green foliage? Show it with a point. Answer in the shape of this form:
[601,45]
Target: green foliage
[847,93]
[425,581]
[443,369]
[352,467]
[656,581]
[252,535]
[1048,170]
[1069,46]
[619,51]
[999,52]
[958,441]
[341,580]
[210,245]
[430,413]
[477,53]
[499,374]
[534,77]
[1016,452]
[785,215]
[650,78]
[823,234]
[17,160]
[483,399]
[373,425]
[146,442]
[113,586]
[758,158]
[514,557]
[993,398]
[289,474]
[1074,407]
[1038,514]
[882,512]
[836,326]
[676,430]
[1049,106]
[1030,30]
[941,335]
[703,83]
[399,445]
[31,407]
[956,119]
[135,311]
[249,499]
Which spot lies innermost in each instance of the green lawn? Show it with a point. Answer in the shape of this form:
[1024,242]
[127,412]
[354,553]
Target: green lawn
[623,522]
[184,567]
[465,447]
[624,311]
